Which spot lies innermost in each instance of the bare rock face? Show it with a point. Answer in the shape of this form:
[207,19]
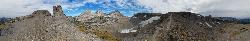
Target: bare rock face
[57,11]
[41,13]
[85,16]
[87,12]
[115,14]
[100,13]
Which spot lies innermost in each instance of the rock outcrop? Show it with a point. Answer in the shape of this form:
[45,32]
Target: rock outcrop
[57,11]
[115,14]
[85,16]
[43,13]
[100,13]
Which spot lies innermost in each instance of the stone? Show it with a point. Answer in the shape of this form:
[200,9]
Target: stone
[99,13]
[57,11]
[41,13]
[116,14]
[85,16]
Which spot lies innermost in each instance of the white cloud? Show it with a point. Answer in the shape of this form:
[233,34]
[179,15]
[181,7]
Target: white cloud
[227,8]
[73,5]
[121,3]
[13,8]
[93,1]
[165,6]
[230,8]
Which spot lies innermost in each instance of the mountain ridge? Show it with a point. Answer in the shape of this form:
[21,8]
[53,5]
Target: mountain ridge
[172,26]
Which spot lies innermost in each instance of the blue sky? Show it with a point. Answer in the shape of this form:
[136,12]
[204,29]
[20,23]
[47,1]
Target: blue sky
[128,9]
[217,8]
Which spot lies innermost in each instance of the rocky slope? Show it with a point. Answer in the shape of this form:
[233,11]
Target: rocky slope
[42,26]
[182,26]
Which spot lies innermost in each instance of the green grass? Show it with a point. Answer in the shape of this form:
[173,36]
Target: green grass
[236,29]
[105,35]
[2,26]
[82,28]
[101,33]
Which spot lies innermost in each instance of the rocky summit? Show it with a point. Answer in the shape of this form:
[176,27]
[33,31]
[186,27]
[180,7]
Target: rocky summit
[41,25]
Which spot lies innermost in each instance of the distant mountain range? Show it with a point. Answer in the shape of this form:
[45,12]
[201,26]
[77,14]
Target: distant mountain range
[3,20]
[245,21]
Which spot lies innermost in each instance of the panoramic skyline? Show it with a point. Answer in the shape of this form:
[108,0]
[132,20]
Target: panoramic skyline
[222,8]
[125,20]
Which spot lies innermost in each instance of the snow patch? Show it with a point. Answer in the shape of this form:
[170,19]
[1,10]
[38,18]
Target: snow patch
[218,22]
[134,17]
[106,16]
[149,21]
[145,16]
[200,23]
[208,24]
[133,30]
[127,30]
